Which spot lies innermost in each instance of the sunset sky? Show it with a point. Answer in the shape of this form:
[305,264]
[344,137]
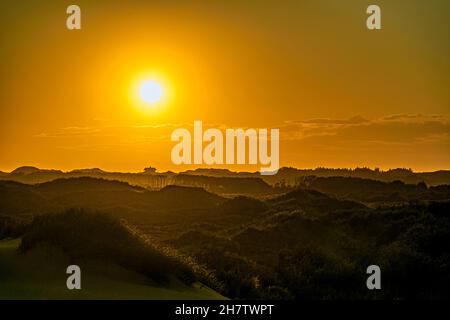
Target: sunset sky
[341,95]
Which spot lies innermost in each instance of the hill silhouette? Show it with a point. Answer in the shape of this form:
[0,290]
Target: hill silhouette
[313,200]
[98,193]
[367,190]
[223,181]
[90,235]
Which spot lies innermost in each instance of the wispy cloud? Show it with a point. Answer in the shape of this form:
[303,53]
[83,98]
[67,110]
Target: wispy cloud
[390,129]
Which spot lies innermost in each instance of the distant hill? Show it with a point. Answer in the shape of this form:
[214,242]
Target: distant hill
[87,171]
[25,170]
[223,181]
[115,197]
[292,176]
[313,200]
[20,199]
[148,179]
[174,202]
[225,185]
[367,190]
[84,184]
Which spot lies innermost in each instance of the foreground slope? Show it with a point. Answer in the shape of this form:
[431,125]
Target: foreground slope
[41,275]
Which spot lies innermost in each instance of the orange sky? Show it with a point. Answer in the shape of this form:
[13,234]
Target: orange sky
[341,95]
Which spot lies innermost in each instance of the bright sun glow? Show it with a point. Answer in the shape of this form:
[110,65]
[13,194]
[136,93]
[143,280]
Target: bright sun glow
[151,92]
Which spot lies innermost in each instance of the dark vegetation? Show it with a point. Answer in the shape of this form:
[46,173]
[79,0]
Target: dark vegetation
[371,191]
[314,242]
[11,227]
[295,255]
[96,236]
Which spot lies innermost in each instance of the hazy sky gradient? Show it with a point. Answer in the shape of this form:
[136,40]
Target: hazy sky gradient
[342,96]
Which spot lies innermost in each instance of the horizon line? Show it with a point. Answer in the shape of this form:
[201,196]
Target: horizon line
[155,170]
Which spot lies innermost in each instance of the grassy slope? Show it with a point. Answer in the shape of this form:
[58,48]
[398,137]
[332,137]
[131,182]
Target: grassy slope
[41,275]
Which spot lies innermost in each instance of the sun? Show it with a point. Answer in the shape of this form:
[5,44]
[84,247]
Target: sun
[151,92]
